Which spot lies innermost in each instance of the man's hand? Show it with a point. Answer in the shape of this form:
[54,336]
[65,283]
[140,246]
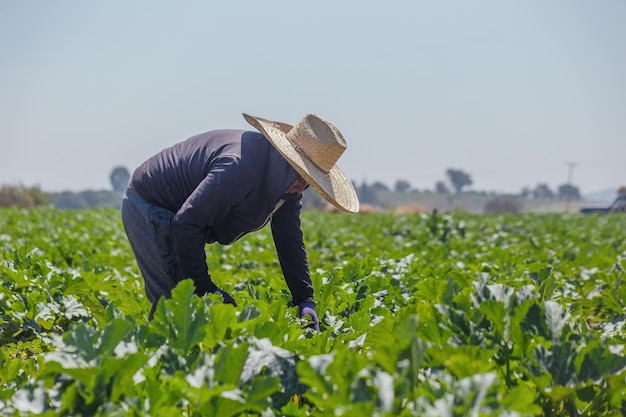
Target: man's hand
[227,298]
[308,309]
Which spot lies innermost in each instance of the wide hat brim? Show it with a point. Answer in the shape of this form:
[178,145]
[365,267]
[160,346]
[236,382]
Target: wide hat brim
[334,186]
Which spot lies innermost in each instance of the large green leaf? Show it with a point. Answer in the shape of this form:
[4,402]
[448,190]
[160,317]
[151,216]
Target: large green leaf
[181,319]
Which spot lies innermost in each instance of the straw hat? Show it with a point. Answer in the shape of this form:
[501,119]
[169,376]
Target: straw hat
[312,147]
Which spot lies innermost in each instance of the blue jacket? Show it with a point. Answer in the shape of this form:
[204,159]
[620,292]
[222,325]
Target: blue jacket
[221,185]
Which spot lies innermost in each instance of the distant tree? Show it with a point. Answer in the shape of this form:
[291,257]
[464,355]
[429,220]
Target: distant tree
[312,200]
[70,200]
[458,179]
[366,194]
[120,178]
[378,187]
[402,186]
[441,188]
[21,196]
[503,204]
[86,199]
[526,192]
[542,191]
[568,192]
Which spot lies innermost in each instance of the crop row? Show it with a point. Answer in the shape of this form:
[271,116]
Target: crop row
[442,315]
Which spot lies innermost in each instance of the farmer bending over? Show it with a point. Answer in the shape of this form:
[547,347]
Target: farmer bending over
[220,185]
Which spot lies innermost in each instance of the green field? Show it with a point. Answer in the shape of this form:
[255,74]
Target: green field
[433,315]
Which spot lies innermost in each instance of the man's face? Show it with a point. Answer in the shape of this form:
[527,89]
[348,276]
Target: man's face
[298,186]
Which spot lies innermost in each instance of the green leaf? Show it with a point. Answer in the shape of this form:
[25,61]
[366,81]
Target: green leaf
[595,362]
[220,322]
[229,363]
[415,356]
[547,282]
[521,398]
[497,314]
[261,389]
[249,312]
[311,373]
[181,319]
[123,382]
[556,319]
[266,360]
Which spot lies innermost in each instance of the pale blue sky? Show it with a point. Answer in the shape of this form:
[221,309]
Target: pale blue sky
[508,91]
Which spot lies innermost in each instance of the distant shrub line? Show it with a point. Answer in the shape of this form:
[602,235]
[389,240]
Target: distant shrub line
[29,197]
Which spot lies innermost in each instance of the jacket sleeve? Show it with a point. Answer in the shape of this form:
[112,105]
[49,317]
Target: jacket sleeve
[226,184]
[289,241]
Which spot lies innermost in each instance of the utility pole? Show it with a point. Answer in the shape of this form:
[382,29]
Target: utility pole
[570,175]
[570,171]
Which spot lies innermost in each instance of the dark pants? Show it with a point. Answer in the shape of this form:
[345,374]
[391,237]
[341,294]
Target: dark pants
[148,228]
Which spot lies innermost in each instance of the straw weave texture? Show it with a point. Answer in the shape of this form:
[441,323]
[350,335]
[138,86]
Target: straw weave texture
[313,147]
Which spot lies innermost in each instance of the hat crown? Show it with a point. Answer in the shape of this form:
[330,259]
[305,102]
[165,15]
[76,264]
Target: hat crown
[318,140]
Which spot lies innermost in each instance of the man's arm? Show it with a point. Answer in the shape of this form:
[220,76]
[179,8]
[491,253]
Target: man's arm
[226,184]
[289,242]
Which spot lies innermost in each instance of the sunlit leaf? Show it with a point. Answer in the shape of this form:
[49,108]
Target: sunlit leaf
[181,319]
